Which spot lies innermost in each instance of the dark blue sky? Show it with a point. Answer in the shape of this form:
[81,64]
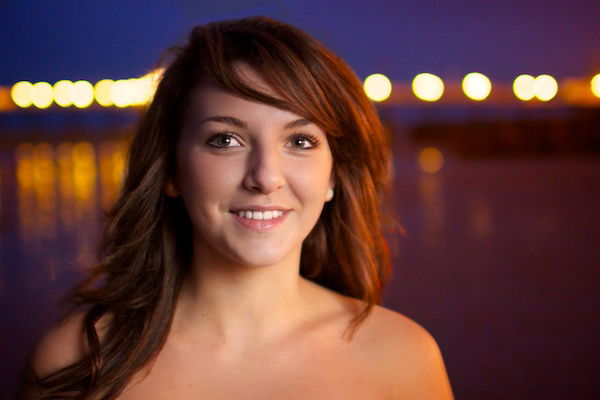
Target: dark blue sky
[89,39]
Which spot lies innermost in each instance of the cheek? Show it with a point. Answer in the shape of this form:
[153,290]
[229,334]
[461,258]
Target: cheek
[310,181]
[204,178]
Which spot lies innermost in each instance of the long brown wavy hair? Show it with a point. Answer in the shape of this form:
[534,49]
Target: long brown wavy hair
[146,246]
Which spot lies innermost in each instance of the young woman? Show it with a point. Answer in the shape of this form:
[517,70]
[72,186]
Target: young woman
[244,257]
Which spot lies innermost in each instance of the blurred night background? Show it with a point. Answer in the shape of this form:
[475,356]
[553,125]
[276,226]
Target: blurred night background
[498,191]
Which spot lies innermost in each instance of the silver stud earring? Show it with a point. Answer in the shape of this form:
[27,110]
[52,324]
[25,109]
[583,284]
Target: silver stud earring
[329,194]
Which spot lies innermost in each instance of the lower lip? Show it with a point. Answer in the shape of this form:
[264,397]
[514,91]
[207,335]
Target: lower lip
[260,225]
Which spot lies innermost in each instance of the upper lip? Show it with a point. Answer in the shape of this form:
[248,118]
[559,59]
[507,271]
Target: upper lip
[260,208]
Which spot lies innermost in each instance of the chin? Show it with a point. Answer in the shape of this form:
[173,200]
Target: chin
[252,251]
[262,256]
[261,260]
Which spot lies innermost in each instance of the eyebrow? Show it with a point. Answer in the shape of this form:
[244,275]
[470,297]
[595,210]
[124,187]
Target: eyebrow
[226,120]
[241,124]
[298,123]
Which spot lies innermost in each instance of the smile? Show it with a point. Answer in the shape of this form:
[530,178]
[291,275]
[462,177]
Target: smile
[260,221]
[259,215]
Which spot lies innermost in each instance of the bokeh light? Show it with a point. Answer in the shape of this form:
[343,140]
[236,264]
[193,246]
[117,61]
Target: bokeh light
[545,87]
[524,87]
[141,90]
[6,104]
[21,94]
[43,156]
[120,93]
[84,168]
[428,87]
[595,85]
[62,93]
[476,86]
[155,76]
[144,90]
[377,87]
[102,92]
[82,94]
[41,94]
[431,160]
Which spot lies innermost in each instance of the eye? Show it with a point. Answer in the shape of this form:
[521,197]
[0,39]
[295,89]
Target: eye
[223,140]
[303,142]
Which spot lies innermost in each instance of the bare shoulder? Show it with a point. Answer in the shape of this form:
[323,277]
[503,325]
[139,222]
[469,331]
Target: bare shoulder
[405,356]
[64,344]
[405,352]
[393,330]
[61,346]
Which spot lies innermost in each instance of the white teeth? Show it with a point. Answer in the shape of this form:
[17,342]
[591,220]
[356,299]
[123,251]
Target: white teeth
[260,215]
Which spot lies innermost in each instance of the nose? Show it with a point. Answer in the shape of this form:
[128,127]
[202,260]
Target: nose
[264,170]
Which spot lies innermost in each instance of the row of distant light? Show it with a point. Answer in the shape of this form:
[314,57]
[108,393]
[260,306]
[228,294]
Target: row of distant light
[138,91]
[476,86]
[81,94]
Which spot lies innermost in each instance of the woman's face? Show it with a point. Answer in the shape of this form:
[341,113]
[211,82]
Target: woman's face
[253,178]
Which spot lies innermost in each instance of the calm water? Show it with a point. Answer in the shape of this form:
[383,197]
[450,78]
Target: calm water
[500,261]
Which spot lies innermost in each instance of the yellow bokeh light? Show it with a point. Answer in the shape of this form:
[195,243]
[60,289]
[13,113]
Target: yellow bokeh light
[24,166]
[41,94]
[43,158]
[155,76]
[377,87]
[83,154]
[476,86]
[545,87]
[524,87]
[62,93]
[21,94]
[102,92]
[82,94]
[595,85]
[431,160]
[84,170]
[152,79]
[139,90]
[121,93]
[145,90]
[428,87]
[6,102]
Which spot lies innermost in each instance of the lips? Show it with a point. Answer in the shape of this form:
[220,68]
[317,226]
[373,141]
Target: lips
[259,215]
[260,219]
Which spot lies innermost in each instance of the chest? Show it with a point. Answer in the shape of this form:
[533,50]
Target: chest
[292,373]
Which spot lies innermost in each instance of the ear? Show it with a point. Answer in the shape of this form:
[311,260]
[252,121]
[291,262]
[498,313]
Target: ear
[170,189]
[330,191]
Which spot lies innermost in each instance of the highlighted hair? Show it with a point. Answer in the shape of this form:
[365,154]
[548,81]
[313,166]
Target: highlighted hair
[146,246]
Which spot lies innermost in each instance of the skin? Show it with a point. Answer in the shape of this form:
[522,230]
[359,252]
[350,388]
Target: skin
[247,325]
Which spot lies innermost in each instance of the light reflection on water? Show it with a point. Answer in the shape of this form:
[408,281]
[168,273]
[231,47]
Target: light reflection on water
[53,198]
[433,210]
[480,222]
[61,190]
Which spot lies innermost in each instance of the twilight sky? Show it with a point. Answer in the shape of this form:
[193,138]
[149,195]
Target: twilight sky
[91,39]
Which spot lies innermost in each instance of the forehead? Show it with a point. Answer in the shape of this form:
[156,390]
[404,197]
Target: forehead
[209,100]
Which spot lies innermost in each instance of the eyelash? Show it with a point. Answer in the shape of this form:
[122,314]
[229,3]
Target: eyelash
[217,135]
[312,140]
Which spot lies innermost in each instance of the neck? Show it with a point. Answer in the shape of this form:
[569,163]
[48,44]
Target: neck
[235,303]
